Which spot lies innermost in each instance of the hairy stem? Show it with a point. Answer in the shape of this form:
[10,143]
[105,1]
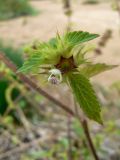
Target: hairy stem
[84,124]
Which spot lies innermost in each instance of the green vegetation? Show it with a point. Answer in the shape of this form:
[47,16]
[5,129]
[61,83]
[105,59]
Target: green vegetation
[91,2]
[15,8]
[15,55]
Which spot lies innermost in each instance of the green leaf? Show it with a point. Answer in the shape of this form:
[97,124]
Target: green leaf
[31,64]
[45,55]
[77,37]
[90,70]
[85,96]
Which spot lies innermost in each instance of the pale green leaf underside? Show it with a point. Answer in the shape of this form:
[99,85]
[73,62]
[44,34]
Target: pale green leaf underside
[85,96]
[77,37]
[91,70]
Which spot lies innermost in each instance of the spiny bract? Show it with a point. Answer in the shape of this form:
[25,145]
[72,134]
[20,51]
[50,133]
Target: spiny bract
[51,52]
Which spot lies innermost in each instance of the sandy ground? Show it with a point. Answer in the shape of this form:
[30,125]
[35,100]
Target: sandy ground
[92,18]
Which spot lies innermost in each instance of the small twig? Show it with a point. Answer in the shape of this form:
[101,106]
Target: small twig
[118,9]
[68,13]
[103,41]
[24,120]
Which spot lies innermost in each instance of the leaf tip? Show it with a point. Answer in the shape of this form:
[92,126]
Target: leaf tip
[99,119]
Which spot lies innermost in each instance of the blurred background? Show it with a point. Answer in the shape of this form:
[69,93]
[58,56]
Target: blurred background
[33,127]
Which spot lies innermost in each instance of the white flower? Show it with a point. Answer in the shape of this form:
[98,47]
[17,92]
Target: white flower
[55,76]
